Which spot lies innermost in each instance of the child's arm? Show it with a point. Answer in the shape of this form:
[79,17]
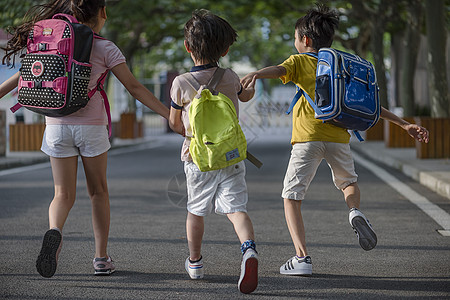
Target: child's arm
[248,92]
[9,84]
[175,122]
[417,132]
[138,91]
[268,72]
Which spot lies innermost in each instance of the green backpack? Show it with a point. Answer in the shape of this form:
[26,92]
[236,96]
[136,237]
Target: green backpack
[218,140]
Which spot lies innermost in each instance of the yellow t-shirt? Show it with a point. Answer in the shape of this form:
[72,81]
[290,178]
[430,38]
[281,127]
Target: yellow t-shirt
[301,70]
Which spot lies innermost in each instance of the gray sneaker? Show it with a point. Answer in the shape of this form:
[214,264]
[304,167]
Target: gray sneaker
[363,229]
[103,266]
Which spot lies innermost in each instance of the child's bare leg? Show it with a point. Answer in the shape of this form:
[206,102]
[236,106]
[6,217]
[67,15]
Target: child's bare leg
[352,195]
[242,225]
[294,220]
[95,170]
[64,172]
[195,228]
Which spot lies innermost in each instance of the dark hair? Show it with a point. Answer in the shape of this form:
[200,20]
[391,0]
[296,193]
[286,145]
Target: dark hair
[208,36]
[84,10]
[319,25]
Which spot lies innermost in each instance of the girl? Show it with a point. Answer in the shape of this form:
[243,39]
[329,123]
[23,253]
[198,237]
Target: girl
[82,133]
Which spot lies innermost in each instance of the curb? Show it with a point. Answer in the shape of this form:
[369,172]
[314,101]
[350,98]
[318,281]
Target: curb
[432,173]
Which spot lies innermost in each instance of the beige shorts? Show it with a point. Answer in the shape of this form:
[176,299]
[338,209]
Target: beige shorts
[304,161]
[73,140]
[226,188]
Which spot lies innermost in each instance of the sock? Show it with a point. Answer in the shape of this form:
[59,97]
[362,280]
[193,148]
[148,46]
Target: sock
[56,228]
[248,244]
[194,261]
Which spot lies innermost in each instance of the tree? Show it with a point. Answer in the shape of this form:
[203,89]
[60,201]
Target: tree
[437,38]
[409,59]
[374,15]
[150,34]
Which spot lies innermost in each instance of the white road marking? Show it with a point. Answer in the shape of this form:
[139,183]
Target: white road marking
[24,169]
[112,152]
[435,212]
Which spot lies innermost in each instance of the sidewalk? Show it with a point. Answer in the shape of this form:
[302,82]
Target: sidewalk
[432,173]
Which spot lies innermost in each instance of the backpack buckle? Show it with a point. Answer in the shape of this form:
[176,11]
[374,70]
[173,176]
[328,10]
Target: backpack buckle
[42,46]
[100,87]
[38,84]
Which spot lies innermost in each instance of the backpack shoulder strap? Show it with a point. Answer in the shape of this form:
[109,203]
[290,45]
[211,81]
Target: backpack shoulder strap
[297,96]
[215,79]
[212,84]
[100,87]
[312,54]
[69,18]
[194,82]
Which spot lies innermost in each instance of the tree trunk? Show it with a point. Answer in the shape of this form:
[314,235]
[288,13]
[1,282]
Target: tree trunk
[409,59]
[437,38]
[397,50]
[378,55]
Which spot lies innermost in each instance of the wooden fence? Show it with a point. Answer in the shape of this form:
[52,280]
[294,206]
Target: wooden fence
[25,137]
[129,127]
[376,132]
[397,137]
[439,144]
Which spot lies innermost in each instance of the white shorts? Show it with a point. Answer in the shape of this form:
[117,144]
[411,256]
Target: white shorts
[304,161]
[226,187]
[73,140]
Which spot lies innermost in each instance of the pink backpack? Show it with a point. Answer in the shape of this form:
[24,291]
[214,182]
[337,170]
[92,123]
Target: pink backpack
[55,71]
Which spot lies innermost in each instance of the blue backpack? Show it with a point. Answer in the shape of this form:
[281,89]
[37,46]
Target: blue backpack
[346,93]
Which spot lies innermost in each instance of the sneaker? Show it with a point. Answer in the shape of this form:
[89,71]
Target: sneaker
[297,266]
[363,229]
[194,269]
[48,257]
[249,272]
[103,266]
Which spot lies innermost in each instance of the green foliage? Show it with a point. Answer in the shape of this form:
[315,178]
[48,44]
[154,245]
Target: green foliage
[11,14]
[152,31]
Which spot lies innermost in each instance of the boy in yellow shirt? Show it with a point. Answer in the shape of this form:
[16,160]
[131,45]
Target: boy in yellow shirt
[314,140]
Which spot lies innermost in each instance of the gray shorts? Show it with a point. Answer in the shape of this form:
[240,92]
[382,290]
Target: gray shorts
[304,161]
[72,140]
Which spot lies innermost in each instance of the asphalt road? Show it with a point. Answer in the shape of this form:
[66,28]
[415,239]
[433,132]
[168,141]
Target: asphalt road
[148,240]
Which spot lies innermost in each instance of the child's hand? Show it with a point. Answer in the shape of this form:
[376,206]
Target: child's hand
[417,132]
[251,85]
[248,90]
[248,80]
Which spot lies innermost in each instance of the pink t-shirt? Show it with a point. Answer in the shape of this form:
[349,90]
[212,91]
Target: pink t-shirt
[104,55]
[183,91]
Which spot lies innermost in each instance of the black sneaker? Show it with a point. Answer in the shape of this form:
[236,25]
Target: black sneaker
[48,257]
[363,229]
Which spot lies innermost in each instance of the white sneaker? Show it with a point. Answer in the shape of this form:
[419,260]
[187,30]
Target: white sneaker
[363,229]
[249,272]
[297,266]
[195,270]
